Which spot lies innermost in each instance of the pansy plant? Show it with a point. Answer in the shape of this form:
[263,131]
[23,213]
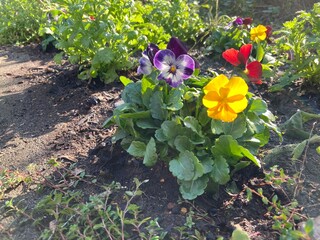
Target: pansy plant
[203,129]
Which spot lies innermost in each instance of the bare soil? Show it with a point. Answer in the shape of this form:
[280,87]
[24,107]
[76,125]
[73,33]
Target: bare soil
[46,112]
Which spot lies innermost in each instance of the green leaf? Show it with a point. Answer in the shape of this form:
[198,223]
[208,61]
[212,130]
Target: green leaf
[260,52]
[294,126]
[120,134]
[318,150]
[220,170]
[104,56]
[137,149]
[174,102]
[203,117]
[186,167]
[110,75]
[298,150]
[58,58]
[147,87]
[255,123]
[236,128]
[125,81]
[193,124]
[239,166]
[183,143]
[309,227]
[156,106]
[246,153]
[132,93]
[216,126]
[258,106]
[160,136]
[147,124]
[171,129]
[227,147]
[207,165]
[150,157]
[239,234]
[191,189]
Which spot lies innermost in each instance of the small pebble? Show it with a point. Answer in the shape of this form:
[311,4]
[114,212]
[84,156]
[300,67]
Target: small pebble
[183,210]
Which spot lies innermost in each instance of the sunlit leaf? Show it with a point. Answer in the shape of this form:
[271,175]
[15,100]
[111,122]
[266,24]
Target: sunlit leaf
[151,156]
[137,149]
[220,170]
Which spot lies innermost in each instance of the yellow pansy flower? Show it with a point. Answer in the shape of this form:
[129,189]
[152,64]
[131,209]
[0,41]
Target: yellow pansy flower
[258,33]
[225,98]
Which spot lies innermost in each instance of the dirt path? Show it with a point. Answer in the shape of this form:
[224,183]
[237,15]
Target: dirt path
[24,130]
[42,105]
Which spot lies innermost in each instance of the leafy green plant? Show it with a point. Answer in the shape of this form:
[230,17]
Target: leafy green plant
[10,179]
[298,41]
[284,215]
[68,215]
[73,219]
[158,122]
[102,35]
[20,20]
[223,34]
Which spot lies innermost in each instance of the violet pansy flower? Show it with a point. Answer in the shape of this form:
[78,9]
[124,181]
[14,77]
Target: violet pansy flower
[145,66]
[146,61]
[174,63]
[173,69]
[238,21]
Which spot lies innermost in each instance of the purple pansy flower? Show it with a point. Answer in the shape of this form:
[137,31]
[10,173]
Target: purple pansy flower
[174,69]
[238,21]
[174,62]
[146,61]
[145,66]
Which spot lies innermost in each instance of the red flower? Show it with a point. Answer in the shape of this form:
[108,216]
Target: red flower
[92,18]
[247,21]
[236,58]
[269,33]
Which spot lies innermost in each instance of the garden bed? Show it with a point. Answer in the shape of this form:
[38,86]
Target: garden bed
[46,113]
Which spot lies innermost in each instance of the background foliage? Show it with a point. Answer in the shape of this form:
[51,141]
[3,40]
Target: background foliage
[101,35]
[20,20]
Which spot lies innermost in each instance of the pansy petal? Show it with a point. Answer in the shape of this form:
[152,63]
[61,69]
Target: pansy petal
[223,115]
[238,21]
[238,106]
[211,99]
[176,46]
[247,20]
[269,31]
[254,71]
[151,51]
[145,66]
[216,83]
[164,59]
[231,56]
[258,32]
[175,80]
[185,66]
[237,86]
[245,50]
